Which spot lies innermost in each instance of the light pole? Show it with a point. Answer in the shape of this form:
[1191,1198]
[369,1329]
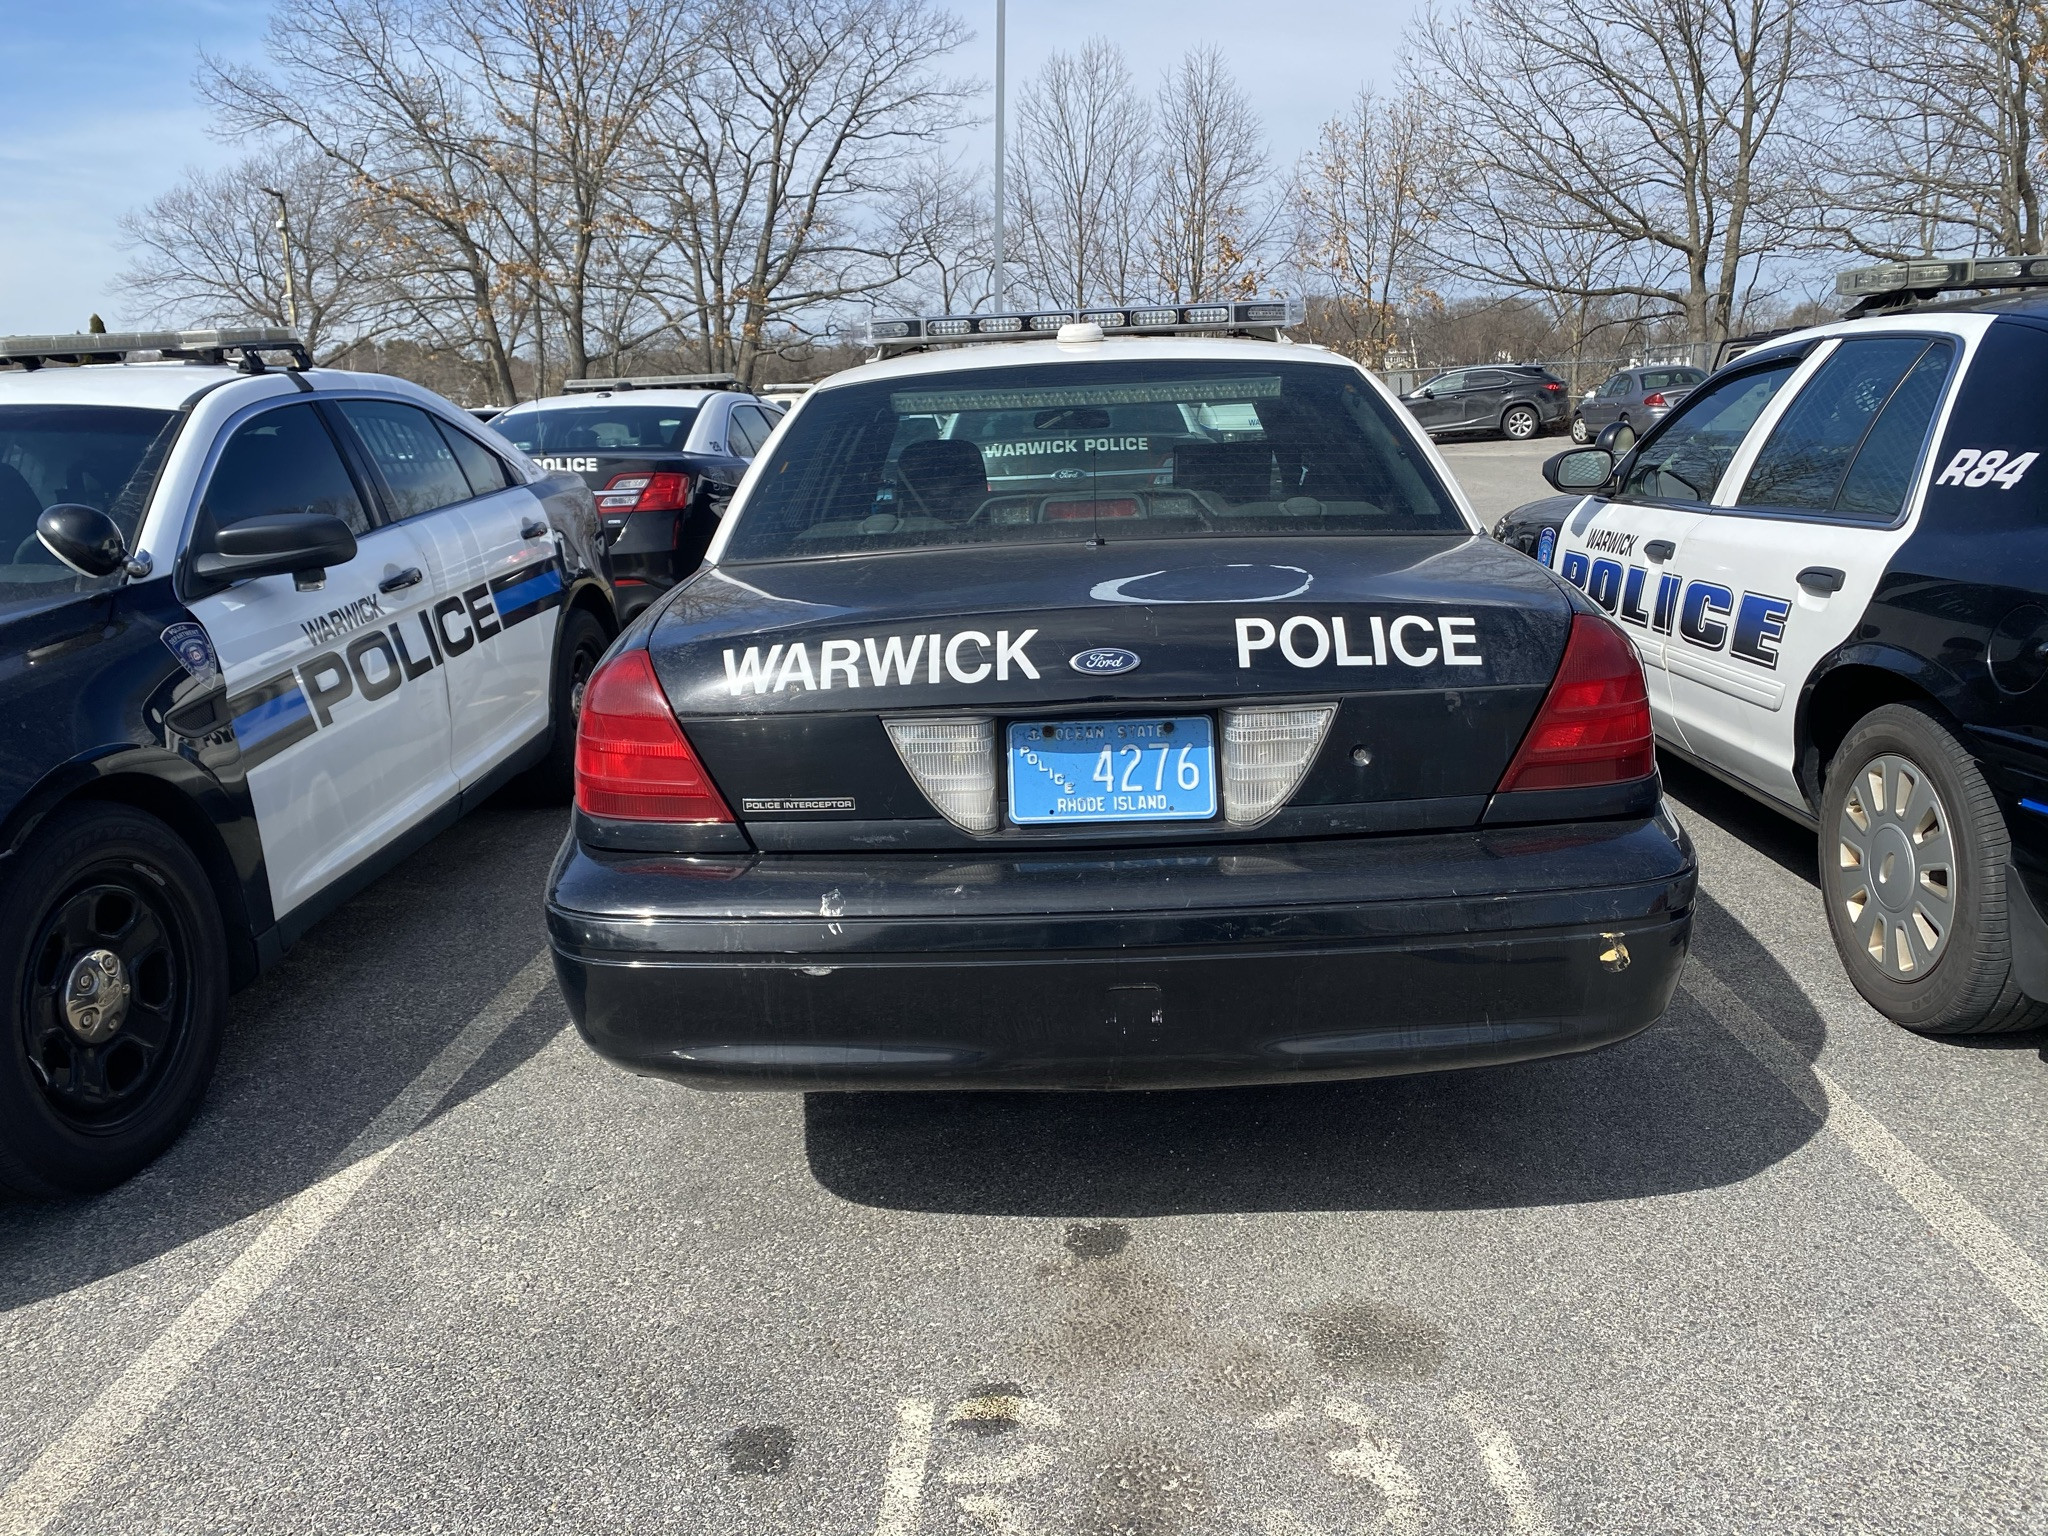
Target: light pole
[284,236]
[1002,275]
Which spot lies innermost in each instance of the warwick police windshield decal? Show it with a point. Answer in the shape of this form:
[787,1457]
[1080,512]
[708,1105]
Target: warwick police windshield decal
[284,709]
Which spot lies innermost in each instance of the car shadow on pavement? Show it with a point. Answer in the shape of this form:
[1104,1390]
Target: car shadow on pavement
[318,1047]
[1683,1106]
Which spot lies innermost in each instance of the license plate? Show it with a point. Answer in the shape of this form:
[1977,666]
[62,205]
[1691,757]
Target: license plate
[1113,770]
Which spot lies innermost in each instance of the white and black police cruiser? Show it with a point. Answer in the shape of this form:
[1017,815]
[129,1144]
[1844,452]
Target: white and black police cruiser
[1833,558]
[663,457]
[263,630]
[1138,704]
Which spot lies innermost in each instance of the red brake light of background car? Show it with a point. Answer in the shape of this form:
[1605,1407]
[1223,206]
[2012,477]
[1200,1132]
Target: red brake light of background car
[1594,726]
[633,762]
[1552,387]
[1656,402]
[662,492]
[1076,511]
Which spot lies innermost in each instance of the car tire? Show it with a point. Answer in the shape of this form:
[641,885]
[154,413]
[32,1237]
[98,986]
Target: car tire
[581,646]
[1581,433]
[1519,423]
[90,1092]
[1914,858]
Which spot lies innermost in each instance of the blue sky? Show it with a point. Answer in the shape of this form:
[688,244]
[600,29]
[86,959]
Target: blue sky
[98,114]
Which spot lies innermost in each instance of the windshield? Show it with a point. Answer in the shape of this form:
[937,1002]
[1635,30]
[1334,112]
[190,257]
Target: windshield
[600,428]
[1109,451]
[105,457]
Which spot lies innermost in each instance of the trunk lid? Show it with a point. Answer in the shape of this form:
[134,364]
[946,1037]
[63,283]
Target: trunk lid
[1436,650]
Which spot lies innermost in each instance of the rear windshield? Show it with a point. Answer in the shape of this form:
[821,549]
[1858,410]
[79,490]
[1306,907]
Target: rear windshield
[1110,451]
[100,456]
[600,428]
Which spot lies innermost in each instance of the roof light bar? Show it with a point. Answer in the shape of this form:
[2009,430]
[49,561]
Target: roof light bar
[1259,317]
[654,381]
[1904,281]
[207,346]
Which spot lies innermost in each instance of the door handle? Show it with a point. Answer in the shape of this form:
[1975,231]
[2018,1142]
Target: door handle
[1660,550]
[533,528]
[1821,580]
[398,581]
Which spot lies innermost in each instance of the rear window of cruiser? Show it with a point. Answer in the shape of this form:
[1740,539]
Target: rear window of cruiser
[1107,451]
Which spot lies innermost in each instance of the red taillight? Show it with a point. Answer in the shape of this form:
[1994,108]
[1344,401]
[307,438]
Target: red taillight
[661,492]
[1656,402]
[633,762]
[1075,511]
[1553,388]
[1594,726]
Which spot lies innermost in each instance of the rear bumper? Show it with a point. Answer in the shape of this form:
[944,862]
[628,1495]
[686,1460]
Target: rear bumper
[1167,968]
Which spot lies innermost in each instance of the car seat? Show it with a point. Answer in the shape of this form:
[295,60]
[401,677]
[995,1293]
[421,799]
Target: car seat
[945,478]
[1234,471]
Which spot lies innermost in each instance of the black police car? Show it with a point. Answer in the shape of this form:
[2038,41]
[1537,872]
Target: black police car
[263,631]
[1833,558]
[662,456]
[1251,761]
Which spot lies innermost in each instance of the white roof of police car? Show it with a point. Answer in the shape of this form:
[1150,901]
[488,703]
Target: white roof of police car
[1017,354]
[600,399]
[227,391]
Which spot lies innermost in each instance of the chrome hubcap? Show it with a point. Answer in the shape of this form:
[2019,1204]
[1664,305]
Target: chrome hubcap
[96,996]
[1897,867]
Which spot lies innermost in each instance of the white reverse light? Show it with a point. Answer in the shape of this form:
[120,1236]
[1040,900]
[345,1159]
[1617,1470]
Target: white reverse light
[954,763]
[1266,750]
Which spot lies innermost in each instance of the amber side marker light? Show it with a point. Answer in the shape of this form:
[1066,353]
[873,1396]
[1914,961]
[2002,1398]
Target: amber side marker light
[1594,726]
[633,762]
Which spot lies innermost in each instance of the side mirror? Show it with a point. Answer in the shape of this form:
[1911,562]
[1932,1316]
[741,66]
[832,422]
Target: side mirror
[302,543]
[1580,469]
[1425,393]
[84,538]
[1617,439]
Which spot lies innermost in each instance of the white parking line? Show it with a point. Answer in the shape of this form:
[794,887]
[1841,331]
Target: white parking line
[903,1481]
[68,1464]
[2014,1272]
[1503,1466]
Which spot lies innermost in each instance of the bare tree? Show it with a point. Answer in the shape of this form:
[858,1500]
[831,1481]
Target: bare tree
[1935,138]
[372,86]
[945,228]
[569,87]
[207,252]
[1211,163]
[1365,201]
[775,172]
[1080,175]
[1658,125]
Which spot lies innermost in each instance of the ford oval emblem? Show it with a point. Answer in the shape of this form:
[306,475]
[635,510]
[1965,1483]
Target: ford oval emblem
[1104,661]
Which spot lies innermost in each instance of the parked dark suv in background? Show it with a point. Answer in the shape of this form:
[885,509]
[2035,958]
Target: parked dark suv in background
[1517,402]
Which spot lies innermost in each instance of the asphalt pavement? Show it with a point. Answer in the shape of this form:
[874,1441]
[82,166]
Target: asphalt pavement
[426,1264]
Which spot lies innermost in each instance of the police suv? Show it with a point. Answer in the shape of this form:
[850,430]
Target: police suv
[263,630]
[1833,559]
[1121,699]
[663,457]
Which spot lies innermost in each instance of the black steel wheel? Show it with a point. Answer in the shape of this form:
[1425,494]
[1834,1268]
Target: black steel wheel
[1520,423]
[1914,859]
[114,965]
[581,646]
